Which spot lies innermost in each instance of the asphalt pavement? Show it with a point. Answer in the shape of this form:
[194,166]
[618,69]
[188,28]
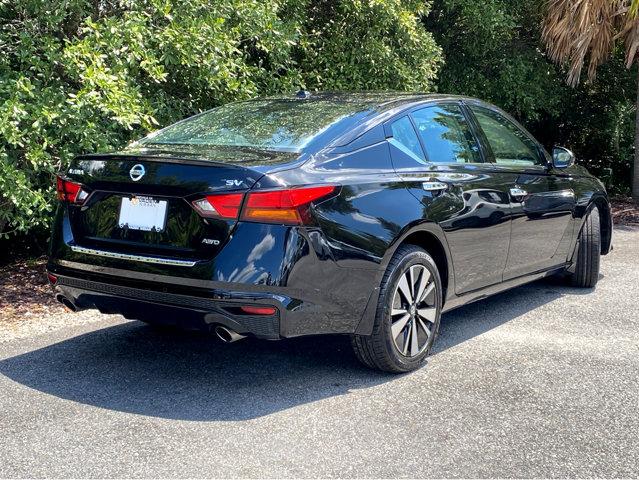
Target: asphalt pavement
[541,381]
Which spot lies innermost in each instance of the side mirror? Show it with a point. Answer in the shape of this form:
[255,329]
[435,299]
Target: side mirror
[562,157]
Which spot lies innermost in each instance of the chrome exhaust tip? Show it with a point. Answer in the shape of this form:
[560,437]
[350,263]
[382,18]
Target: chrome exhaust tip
[227,335]
[66,302]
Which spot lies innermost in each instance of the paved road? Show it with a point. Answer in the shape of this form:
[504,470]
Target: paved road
[541,381]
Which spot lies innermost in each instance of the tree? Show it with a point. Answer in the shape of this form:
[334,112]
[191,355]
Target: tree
[491,52]
[580,31]
[82,76]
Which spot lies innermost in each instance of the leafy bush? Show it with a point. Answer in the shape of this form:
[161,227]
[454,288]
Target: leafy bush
[82,76]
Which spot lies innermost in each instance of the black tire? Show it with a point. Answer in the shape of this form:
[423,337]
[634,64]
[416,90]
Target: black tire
[379,350]
[584,273]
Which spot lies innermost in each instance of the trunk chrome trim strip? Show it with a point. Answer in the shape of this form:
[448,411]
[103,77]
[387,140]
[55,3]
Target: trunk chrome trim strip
[134,258]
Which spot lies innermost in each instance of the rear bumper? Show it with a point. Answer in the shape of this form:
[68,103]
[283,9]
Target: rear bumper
[186,311]
[194,304]
[260,264]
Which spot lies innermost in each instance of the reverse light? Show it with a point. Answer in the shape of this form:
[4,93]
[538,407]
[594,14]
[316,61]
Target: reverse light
[70,191]
[288,206]
[225,205]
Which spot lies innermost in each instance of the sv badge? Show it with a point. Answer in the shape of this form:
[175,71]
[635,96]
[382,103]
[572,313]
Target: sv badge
[233,183]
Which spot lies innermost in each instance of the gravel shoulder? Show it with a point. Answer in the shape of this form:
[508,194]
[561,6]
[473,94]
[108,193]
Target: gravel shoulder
[27,305]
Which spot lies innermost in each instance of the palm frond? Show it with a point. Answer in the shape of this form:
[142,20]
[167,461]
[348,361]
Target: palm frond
[580,31]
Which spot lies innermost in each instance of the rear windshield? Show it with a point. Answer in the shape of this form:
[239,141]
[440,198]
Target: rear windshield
[287,125]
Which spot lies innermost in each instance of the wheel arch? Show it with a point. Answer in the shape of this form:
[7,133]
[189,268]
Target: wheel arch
[426,235]
[600,201]
[434,246]
[605,221]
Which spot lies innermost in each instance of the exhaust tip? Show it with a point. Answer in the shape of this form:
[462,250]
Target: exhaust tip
[66,302]
[227,335]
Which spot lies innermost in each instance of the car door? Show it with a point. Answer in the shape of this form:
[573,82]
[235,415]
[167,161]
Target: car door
[439,159]
[542,199]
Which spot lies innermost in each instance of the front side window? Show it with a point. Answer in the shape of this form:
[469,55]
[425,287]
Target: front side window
[510,145]
[446,135]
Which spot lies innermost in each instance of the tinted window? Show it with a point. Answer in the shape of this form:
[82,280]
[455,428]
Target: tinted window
[405,139]
[269,124]
[446,135]
[510,145]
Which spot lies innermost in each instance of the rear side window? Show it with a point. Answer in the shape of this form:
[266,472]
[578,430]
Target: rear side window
[510,144]
[446,135]
[405,139]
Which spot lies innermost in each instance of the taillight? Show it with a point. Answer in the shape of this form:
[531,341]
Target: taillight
[288,206]
[225,205]
[70,191]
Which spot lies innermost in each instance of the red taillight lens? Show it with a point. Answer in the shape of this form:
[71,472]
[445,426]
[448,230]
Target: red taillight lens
[70,191]
[288,206]
[250,310]
[225,205]
[52,278]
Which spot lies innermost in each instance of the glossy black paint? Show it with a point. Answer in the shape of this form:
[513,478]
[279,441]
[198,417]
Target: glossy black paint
[323,277]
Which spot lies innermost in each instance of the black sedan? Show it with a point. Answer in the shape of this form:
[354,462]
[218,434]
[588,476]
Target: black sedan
[364,214]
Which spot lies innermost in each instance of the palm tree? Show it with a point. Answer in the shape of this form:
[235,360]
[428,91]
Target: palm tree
[580,31]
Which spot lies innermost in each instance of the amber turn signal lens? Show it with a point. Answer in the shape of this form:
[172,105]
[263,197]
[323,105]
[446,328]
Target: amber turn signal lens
[287,206]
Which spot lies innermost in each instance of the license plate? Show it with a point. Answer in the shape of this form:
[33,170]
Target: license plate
[142,213]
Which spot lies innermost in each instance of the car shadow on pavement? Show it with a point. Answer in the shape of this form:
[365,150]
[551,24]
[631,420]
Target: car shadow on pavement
[189,376]
[465,323]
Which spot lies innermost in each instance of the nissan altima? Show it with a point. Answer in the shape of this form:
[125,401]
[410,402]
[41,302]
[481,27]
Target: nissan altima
[365,214]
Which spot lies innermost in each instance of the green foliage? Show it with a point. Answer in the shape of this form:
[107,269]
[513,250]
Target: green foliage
[366,45]
[493,51]
[82,76]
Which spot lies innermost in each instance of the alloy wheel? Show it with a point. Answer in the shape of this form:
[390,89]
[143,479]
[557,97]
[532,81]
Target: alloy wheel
[414,311]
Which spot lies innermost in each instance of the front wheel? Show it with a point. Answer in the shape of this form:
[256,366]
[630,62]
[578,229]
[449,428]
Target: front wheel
[408,314]
[584,272]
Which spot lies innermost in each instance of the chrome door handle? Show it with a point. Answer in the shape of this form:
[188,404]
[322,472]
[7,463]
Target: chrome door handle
[434,186]
[518,193]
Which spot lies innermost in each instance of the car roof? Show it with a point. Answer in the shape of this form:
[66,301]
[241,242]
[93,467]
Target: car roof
[367,100]
[369,108]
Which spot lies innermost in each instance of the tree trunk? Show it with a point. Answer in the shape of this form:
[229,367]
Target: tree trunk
[635,174]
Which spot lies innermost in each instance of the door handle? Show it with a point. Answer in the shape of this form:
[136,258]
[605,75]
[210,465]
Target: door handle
[434,186]
[518,193]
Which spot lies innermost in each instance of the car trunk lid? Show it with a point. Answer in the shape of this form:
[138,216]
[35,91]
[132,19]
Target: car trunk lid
[142,203]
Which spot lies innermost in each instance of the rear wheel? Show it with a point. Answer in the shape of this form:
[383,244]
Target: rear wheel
[408,314]
[585,270]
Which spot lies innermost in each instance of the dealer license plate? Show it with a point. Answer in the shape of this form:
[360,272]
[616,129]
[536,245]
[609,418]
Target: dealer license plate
[143,213]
